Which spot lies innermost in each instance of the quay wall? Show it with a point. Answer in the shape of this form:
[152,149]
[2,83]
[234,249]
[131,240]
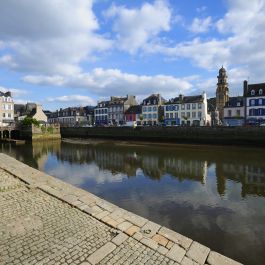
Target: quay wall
[196,135]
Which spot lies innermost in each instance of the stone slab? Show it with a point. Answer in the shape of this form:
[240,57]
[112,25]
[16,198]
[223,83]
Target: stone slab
[198,252]
[119,239]
[215,258]
[176,253]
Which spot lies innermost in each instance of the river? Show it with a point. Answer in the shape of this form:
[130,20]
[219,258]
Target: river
[215,195]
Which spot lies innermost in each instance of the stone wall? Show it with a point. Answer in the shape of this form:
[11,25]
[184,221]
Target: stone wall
[194,135]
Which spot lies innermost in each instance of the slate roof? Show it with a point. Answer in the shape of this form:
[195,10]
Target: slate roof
[233,102]
[153,98]
[185,99]
[137,109]
[5,94]
[256,88]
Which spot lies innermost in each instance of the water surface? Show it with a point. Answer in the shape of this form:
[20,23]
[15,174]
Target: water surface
[214,195]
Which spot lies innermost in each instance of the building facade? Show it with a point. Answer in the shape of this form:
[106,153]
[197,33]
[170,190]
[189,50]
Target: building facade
[152,110]
[255,103]
[187,110]
[72,116]
[117,108]
[234,112]
[6,109]
[222,92]
[134,113]
[101,113]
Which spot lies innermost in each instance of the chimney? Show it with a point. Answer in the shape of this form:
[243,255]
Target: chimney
[245,85]
[180,97]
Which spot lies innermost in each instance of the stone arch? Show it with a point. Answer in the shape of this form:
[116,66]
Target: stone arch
[6,134]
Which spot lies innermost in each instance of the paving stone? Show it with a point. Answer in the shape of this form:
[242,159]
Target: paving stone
[177,238]
[161,240]
[215,258]
[187,261]
[119,239]
[150,229]
[132,230]
[124,226]
[162,250]
[101,253]
[198,252]
[176,253]
[149,242]
[138,236]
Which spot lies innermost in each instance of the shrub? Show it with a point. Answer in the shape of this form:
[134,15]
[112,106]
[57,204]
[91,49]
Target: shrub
[30,121]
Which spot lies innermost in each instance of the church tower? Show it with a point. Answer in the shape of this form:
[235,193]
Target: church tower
[222,92]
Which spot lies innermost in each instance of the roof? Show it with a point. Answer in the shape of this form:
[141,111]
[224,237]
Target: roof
[137,109]
[256,88]
[5,94]
[235,102]
[117,100]
[185,99]
[154,97]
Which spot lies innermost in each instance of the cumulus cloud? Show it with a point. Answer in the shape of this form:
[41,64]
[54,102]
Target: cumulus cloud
[137,26]
[75,99]
[106,82]
[200,25]
[48,36]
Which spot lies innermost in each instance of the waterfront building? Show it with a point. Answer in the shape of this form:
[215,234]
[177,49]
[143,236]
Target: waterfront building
[6,109]
[222,92]
[117,107]
[187,110]
[101,113]
[30,109]
[234,112]
[134,113]
[152,110]
[255,103]
[72,116]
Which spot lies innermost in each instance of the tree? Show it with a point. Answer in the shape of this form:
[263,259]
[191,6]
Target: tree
[29,121]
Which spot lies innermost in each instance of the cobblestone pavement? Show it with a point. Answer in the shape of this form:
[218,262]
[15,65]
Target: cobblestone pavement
[46,221]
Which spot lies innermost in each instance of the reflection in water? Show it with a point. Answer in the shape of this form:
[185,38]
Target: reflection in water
[214,195]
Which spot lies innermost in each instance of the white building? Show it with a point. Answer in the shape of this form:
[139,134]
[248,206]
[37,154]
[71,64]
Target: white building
[187,110]
[255,103]
[6,109]
[152,111]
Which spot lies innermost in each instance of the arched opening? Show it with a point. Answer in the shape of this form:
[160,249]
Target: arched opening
[15,134]
[5,134]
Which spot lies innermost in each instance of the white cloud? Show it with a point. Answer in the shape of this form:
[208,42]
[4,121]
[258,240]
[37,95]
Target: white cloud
[48,36]
[136,27]
[115,82]
[75,99]
[200,25]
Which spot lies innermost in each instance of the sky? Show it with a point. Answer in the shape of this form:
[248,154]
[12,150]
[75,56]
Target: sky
[62,53]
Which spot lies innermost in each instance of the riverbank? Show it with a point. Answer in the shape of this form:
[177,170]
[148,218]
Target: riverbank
[44,220]
[184,135]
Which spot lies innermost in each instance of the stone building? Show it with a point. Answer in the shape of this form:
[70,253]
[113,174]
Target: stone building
[6,109]
[187,110]
[222,92]
[30,110]
[152,109]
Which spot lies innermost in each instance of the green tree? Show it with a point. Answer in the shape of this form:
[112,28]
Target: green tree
[30,121]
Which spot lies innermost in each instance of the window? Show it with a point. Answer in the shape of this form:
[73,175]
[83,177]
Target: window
[188,106]
[238,112]
[199,105]
[4,115]
[229,113]
[188,114]
[260,101]
[199,114]
[9,115]
[251,112]
[176,115]
[149,108]
[177,107]
[154,116]
[182,114]
[252,102]
[171,115]
[252,92]
[193,105]
[193,114]
[144,109]
[154,108]
[182,106]
[260,91]
[144,116]
[167,115]
[149,116]
[238,104]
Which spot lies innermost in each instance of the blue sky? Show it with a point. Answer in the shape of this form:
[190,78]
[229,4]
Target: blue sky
[69,53]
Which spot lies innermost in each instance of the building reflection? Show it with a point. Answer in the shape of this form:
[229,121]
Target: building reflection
[154,162]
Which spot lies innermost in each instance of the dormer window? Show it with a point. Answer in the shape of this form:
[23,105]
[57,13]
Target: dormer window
[252,92]
[260,92]
[238,104]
